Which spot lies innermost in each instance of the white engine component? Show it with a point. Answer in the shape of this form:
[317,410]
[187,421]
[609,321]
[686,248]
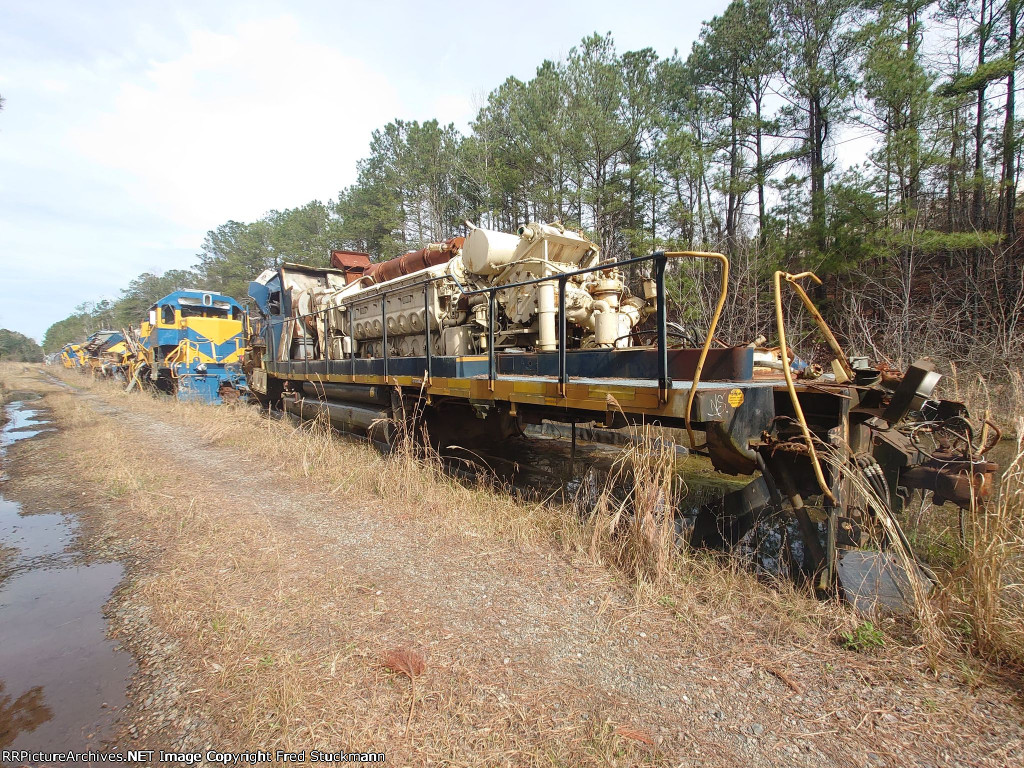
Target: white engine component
[485,251]
[598,303]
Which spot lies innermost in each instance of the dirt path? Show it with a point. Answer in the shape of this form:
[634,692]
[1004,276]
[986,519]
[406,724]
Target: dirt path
[261,604]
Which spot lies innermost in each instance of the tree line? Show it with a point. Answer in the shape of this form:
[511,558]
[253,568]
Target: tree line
[733,146]
[16,347]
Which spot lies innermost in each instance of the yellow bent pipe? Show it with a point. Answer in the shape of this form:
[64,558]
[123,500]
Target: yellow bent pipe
[790,387]
[724,261]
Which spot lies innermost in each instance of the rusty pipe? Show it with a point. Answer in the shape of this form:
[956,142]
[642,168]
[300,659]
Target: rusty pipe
[414,261]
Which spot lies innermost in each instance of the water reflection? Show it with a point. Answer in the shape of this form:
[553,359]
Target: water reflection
[62,681]
[19,423]
[24,713]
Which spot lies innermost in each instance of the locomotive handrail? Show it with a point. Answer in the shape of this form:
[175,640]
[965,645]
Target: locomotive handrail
[180,353]
[660,259]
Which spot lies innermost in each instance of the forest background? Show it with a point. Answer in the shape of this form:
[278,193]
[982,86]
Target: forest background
[733,148]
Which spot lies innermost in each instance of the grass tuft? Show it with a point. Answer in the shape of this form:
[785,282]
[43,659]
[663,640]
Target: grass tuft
[637,530]
[991,584]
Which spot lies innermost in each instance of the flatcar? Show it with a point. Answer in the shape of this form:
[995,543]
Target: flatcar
[482,334]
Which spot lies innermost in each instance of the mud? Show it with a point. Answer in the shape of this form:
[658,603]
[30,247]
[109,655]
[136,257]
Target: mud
[62,681]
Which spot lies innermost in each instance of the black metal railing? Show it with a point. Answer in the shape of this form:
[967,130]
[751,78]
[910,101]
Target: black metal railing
[659,259]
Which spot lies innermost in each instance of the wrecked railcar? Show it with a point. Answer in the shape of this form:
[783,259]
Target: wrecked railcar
[482,334]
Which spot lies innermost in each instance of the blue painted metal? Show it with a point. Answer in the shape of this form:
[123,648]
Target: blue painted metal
[205,386]
[207,365]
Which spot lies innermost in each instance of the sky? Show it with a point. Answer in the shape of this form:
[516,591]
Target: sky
[129,130]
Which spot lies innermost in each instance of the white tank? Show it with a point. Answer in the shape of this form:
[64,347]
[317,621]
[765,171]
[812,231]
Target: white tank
[485,251]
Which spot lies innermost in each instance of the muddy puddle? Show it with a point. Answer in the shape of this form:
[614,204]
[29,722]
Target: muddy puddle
[62,681]
[22,421]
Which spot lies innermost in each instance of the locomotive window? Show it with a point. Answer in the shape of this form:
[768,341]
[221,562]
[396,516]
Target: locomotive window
[167,314]
[200,311]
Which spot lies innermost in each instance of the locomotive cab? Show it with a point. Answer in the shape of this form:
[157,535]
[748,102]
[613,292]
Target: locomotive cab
[195,342]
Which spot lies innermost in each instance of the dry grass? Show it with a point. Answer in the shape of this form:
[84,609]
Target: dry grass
[1003,398]
[889,536]
[985,594]
[980,600]
[250,619]
[635,531]
[988,591]
[408,477]
[280,629]
[637,534]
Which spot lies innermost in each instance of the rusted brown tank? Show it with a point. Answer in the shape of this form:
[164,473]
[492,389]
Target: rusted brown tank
[414,261]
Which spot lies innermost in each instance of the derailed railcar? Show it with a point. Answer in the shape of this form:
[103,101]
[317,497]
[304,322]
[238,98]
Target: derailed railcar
[72,356]
[494,330]
[104,353]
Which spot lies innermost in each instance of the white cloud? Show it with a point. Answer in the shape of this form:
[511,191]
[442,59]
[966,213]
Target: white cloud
[454,108]
[130,129]
[258,118]
[54,86]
